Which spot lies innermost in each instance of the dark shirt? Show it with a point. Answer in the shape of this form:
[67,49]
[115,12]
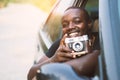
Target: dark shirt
[55,45]
[53,48]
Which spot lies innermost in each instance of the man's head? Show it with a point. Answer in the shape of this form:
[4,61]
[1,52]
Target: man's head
[76,20]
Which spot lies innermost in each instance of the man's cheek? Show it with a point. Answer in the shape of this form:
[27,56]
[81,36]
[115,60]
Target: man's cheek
[64,30]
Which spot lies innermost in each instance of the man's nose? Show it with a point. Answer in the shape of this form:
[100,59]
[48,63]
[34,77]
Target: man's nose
[71,25]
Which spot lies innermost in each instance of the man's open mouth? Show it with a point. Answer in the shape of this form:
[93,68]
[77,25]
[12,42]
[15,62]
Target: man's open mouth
[74,32]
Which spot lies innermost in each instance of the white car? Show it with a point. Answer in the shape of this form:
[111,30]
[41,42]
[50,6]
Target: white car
[105,15]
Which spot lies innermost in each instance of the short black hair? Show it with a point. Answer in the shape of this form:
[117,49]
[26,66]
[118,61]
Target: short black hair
[87,17]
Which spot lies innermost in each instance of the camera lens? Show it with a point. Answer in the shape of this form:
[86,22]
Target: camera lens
[78,46]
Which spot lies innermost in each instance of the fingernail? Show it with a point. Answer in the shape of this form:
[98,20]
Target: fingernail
[72,51]
[74,56]
[65,34]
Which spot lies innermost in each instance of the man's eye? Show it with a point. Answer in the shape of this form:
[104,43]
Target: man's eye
[65,25]
[77,21]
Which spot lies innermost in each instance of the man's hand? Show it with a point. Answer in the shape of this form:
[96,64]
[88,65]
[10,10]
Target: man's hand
[62,54]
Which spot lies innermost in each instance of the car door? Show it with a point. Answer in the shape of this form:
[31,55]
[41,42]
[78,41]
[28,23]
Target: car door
[51,29]
[109,14]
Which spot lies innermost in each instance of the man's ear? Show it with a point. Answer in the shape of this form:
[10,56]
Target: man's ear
[95,26]
[90,23]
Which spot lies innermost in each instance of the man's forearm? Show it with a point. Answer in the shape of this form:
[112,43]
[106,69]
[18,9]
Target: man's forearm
[85,65]
[34,68]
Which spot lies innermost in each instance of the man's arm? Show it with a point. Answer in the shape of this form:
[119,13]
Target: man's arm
[59,56]
[85,65]
[33,70]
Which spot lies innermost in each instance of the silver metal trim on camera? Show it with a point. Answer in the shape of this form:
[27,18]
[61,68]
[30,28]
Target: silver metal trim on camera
[77,44]
[76,39]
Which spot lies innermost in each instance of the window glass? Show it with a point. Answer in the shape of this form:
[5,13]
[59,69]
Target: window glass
[53,25]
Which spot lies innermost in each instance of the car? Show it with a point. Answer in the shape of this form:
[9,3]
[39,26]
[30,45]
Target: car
[51,28]
[105,17]
[109,30]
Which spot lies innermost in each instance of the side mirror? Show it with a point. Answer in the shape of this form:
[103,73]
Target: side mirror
[57,71]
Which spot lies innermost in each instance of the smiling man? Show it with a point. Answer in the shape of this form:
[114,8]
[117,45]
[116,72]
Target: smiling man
[76,28]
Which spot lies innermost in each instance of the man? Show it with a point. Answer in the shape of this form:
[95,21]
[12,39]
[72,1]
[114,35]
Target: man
[75,21]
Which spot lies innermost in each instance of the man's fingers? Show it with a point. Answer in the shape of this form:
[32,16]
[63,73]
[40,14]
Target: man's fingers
[68,55]
[62,40]
[63,59]
[65,49]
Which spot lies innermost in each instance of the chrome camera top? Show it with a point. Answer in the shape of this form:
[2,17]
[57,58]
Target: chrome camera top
[77,44]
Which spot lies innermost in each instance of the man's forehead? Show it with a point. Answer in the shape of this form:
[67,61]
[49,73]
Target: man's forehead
[73,12]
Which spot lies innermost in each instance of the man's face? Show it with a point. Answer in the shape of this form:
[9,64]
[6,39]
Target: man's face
[74,22]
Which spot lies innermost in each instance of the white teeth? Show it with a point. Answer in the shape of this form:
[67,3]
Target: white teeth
[73,34]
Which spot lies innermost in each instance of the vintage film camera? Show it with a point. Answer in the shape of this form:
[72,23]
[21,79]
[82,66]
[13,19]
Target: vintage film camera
[78,44]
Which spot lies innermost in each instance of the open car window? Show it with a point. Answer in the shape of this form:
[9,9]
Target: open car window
[53,24]
[51,30]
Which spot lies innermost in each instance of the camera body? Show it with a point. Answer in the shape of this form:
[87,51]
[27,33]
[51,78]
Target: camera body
[78,44]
